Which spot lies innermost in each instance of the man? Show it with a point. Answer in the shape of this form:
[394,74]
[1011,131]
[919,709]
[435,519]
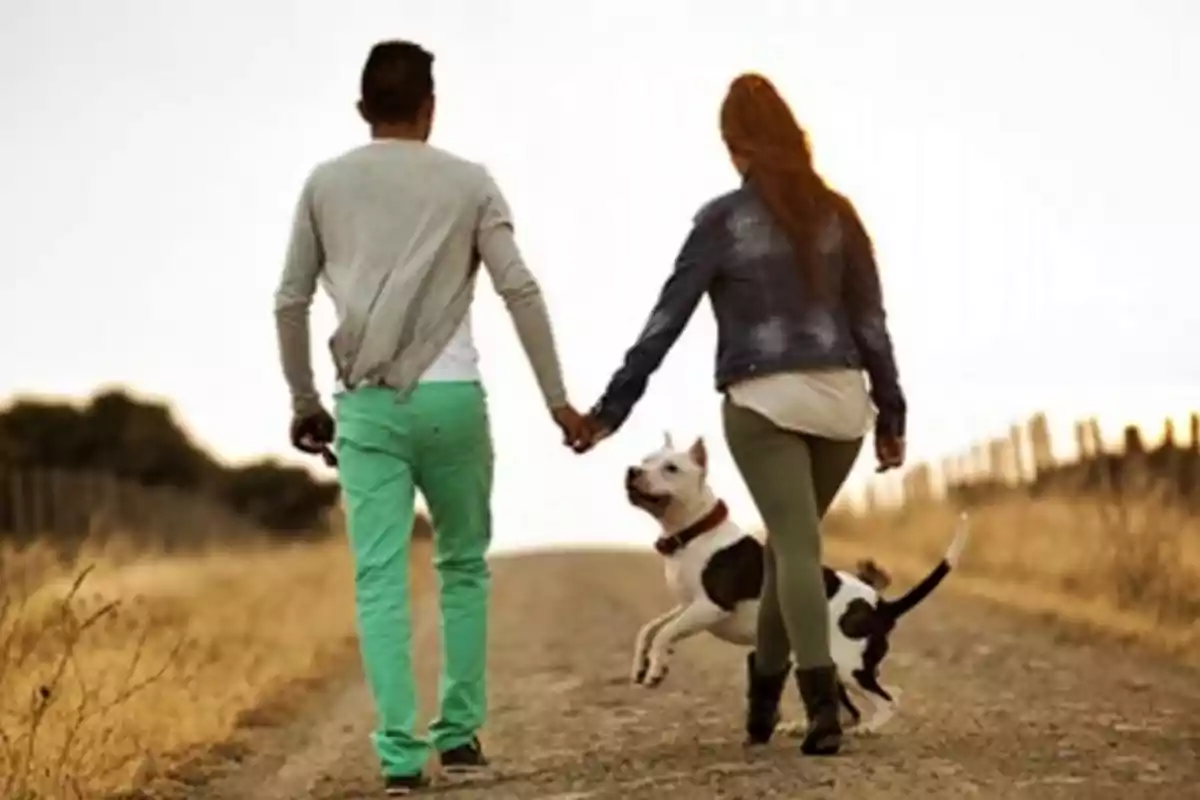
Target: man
[395,231]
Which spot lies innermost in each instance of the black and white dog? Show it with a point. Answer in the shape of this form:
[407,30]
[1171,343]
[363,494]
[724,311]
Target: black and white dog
[714,570]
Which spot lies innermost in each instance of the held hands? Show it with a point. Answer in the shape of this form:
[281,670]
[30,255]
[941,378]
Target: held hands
[569,421]
[580,432]
[594,432]
[889,452]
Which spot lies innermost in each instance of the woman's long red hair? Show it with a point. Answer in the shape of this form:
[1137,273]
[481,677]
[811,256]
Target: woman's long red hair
[760,130]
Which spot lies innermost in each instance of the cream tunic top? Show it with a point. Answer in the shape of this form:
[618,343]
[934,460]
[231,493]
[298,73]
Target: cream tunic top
[834,404]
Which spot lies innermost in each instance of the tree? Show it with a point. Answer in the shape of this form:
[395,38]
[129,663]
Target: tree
[140,442]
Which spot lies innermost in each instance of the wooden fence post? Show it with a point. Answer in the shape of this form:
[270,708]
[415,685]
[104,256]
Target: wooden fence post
[1000,458]
[917,485]
[57,517]
[950,477]
[1016,438]
[7,523]
[105,512]
[1134,448]
[1168,437]
[1100,456]
[1041,445]
[1172,461]
[16,495]
[1083,447]
[36,492]
[981,467]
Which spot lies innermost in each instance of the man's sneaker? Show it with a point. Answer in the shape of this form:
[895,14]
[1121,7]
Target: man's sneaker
[465,759]
[404,785]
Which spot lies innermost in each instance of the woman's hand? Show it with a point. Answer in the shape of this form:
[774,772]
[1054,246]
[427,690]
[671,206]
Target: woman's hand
[889,452]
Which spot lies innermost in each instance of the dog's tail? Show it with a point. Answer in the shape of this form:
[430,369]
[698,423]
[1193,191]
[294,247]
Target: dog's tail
[909,600]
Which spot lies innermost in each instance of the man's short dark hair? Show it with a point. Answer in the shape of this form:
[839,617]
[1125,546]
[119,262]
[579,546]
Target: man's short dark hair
[396,81]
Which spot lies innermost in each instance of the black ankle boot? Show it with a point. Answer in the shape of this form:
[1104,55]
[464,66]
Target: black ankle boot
[763,693]
[819,691]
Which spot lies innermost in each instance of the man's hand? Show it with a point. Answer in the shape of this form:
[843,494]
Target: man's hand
[889,452]
[313,433]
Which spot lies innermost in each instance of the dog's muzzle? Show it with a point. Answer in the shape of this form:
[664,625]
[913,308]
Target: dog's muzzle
[648,501]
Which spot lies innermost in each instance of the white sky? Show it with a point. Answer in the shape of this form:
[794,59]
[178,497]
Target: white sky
[1028,170]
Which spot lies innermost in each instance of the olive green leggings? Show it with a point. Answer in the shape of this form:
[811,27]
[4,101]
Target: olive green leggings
[792,478]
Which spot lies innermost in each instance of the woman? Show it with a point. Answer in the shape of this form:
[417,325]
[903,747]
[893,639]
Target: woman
[792,278]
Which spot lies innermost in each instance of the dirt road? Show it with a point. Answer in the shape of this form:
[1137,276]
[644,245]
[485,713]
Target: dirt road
[994,706]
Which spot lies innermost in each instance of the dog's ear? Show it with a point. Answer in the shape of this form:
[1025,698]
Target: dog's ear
[873,575]
[667,443]
[699,452]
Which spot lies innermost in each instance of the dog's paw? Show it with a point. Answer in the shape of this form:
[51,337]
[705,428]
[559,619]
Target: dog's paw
[790,728]
[656,672]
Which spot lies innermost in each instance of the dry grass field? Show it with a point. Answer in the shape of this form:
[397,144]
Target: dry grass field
[1122,566]
[119,668]
[225,675]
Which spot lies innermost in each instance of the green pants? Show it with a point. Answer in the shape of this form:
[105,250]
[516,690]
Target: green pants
[793,479]
[437,440]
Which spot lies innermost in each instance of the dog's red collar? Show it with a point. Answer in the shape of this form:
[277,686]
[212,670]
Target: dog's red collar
[669,545]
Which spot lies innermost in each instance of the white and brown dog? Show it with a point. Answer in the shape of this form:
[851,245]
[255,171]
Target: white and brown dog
[714,571]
